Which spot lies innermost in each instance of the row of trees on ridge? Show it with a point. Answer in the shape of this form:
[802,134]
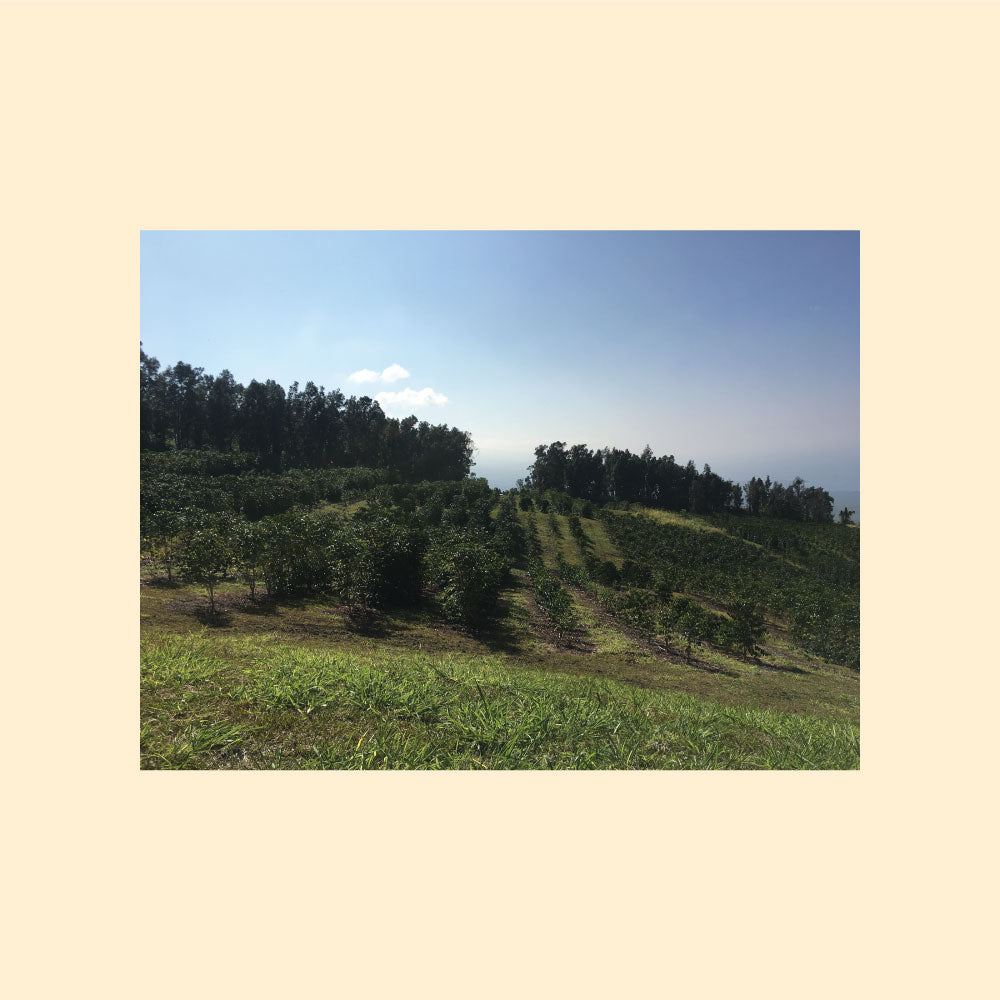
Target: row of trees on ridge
[615,475]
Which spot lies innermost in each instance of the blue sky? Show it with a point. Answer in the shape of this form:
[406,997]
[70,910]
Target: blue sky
[739,349]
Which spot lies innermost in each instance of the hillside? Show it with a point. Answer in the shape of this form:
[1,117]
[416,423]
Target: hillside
[536,637]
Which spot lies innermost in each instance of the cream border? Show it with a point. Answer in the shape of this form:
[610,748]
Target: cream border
[120,117]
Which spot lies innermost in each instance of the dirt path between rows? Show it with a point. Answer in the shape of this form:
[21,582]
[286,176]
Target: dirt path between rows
[655,647]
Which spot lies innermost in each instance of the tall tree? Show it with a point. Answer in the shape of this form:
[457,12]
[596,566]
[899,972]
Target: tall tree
[223,408]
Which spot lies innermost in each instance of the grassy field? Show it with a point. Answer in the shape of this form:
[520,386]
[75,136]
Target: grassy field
[214,701]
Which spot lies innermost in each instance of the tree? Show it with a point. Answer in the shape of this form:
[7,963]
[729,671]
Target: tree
[845,516]
[691,622]
[747,626]
[248,552]
[166,525]
[664,589]
[554,599]
[222,409]
[205,558]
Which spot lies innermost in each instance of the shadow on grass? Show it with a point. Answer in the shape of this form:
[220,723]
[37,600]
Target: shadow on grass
[783,669]
[368,622]
[161,583]
[260,606]
[712,668]
[496,634]
[220,618]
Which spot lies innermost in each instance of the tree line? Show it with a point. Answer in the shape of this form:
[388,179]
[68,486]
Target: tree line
[615,475]
[183,408]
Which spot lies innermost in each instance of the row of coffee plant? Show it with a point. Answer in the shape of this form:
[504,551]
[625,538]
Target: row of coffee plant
[383,557]
[822,616]
[550,595]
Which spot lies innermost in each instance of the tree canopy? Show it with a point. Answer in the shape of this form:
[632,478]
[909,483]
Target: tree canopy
[183,408]
[615,475]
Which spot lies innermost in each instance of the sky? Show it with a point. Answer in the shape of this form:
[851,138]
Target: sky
[735,349]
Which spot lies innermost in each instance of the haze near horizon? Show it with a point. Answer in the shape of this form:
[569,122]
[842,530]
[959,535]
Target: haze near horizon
[735,349]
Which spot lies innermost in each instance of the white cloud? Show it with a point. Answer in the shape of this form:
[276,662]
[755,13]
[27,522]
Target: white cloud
[394,373]
[411,397]
[391,374]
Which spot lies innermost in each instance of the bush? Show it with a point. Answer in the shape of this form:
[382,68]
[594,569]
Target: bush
[573,575]
[664,589]
[747,626]
[468,574]
[603,572]
[554,599]
[378,562]
[635,574]
[694,624]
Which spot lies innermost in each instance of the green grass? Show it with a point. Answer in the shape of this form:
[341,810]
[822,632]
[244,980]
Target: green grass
[217,701]
[788,679]
[600,545]
[552,543]
[677,518]
[342,508]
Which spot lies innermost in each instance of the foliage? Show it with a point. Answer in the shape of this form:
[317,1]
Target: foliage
[822,612]
[746,626]
[205,558]
[636,608]
[182,408]
[574,575]
[602,571]
[248,542]
[468,573]
[553,599]
[379,560]
[694,624]
[613,475]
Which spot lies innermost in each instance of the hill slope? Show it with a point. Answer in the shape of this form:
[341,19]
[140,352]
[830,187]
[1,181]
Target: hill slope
[281,682]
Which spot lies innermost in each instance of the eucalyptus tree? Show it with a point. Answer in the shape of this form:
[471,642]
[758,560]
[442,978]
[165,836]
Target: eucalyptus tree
[222,405]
